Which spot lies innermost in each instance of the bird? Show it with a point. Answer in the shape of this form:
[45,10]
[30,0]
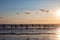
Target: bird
[18,13]
[1,17]
[27,12]
[47,11]
[42,10]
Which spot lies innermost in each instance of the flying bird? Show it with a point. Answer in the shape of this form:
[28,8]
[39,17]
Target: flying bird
[47,11]
[27,12]
[42,10]
[18,13]
[1,17]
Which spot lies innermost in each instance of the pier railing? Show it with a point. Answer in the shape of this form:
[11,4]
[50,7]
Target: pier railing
[6,26]
[28,28]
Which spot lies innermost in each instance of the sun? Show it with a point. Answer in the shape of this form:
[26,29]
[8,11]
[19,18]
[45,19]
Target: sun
[58,13]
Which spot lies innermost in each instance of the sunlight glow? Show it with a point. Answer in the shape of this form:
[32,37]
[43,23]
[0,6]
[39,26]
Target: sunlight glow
[58,13]
[58,31]
[58,37]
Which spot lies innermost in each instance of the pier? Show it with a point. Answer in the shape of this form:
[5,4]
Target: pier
[30,29]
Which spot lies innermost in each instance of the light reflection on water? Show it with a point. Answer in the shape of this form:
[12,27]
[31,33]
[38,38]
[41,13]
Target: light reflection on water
[58,33]
[58,37]
[30,37]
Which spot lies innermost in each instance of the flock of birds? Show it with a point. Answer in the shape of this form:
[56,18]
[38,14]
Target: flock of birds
[40,10]
[28,12]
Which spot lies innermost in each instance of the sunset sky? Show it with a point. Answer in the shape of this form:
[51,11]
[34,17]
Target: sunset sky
[14,11]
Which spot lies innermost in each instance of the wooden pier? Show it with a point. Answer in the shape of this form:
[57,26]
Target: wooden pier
[19,29]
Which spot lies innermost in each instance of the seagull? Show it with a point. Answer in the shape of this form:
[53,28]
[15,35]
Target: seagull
[27,12]
[1,17]
[42,10]
[18,13]
[47,11]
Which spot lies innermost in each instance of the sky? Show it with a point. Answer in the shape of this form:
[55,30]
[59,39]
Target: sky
[14,11]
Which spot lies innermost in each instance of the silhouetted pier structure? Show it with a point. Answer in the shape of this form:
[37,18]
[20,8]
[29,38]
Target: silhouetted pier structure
[27,28]
[4,26]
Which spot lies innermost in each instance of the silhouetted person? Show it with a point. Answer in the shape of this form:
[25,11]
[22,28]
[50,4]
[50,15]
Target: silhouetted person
[26,26]
[3,26]
[32,25]
[21,25]
[15,26]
